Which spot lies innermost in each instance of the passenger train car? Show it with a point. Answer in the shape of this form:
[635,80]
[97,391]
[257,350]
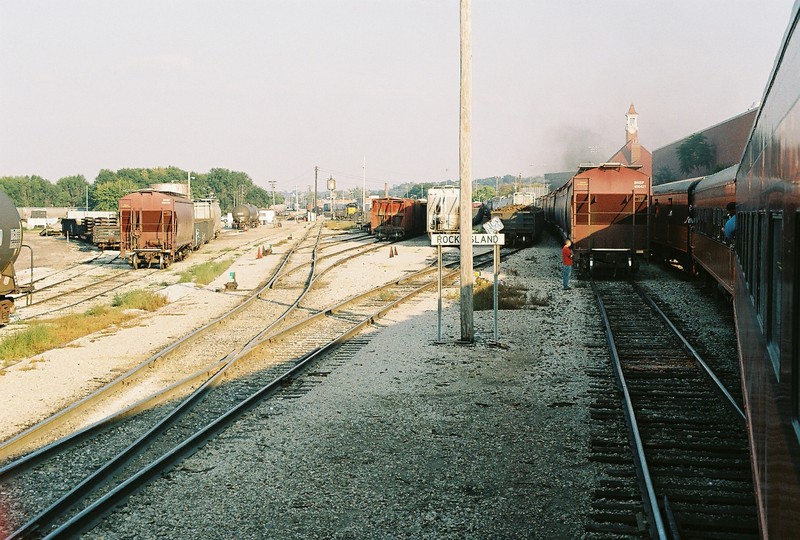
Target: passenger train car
[604,210]
[767,291]
[688,217]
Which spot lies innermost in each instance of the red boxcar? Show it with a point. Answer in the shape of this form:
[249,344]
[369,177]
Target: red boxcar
[604,210]
[395,218]
[767,295]
[156,227]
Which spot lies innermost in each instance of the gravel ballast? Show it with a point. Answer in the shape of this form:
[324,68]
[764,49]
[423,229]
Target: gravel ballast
[397,436]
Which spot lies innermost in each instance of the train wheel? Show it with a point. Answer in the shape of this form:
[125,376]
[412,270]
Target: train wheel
[161,264]
[135,261]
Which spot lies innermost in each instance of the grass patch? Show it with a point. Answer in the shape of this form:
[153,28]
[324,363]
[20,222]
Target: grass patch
[205,273]
[508,296]
[340,225]
[42,336]
[138,299]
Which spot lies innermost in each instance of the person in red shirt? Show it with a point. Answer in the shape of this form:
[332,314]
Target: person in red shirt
[566,256]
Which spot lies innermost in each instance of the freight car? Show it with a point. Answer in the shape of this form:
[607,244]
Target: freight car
[207,221]
[522,224]
[156,227]
[395,218]
[244,216]
[767,291]
[604,210]
[443,210]
[10,245]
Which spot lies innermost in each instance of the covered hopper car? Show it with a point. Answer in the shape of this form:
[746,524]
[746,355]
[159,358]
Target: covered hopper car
[156,227]
[604,210]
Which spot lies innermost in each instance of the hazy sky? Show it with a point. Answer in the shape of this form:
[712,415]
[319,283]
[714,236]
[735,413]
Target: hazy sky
[273,88]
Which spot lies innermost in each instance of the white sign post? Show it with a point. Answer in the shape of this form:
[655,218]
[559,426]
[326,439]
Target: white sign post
[493,239]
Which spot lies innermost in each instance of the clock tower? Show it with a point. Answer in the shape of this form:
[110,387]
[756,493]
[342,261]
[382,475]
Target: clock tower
[632,126]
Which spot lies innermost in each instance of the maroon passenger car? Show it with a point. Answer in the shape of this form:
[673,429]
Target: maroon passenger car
[156,227]
[767,296]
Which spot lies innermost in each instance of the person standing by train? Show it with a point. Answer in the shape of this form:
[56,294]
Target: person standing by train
[729,229]
[566,258]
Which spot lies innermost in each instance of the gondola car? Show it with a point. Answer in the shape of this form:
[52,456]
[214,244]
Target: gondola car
[604,210]
[767,292]
[396,218]
[156,227]
[522,224]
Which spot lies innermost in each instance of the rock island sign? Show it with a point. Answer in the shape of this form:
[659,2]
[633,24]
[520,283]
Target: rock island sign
[477,240]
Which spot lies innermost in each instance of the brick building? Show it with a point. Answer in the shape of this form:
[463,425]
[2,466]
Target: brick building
[727,140]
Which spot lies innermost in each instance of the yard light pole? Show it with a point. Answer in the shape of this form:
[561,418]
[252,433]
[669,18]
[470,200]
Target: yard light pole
[272,185]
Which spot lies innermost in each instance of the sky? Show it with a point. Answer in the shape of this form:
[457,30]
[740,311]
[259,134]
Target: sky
[275,88]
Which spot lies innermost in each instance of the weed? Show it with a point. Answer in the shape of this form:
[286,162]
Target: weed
[340,225]
[508,296]
[139,299]
[205,273]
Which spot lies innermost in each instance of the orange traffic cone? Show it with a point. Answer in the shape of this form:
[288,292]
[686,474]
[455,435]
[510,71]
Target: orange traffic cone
[395,251]
[391,252]
[259,256]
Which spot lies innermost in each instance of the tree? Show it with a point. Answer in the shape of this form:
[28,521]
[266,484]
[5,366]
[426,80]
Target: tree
[695,154]
[664,175]
[108,194]
[483,193]
[71,191]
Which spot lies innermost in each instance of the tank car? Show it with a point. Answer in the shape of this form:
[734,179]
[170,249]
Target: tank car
[767,291]
[604,210]
[10,245]
[396,218]
[245,215]
[156,227]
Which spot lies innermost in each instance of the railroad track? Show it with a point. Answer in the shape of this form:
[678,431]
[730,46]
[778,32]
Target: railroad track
[267,364]
[690,452]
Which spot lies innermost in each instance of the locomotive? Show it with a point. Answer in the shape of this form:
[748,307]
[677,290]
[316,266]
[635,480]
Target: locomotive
[10,245]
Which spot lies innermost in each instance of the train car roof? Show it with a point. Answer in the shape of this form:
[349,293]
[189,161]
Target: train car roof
[678,186]
[722,177]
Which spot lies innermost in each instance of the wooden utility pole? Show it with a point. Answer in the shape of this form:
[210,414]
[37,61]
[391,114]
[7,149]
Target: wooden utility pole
[316,170]
[465,174]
